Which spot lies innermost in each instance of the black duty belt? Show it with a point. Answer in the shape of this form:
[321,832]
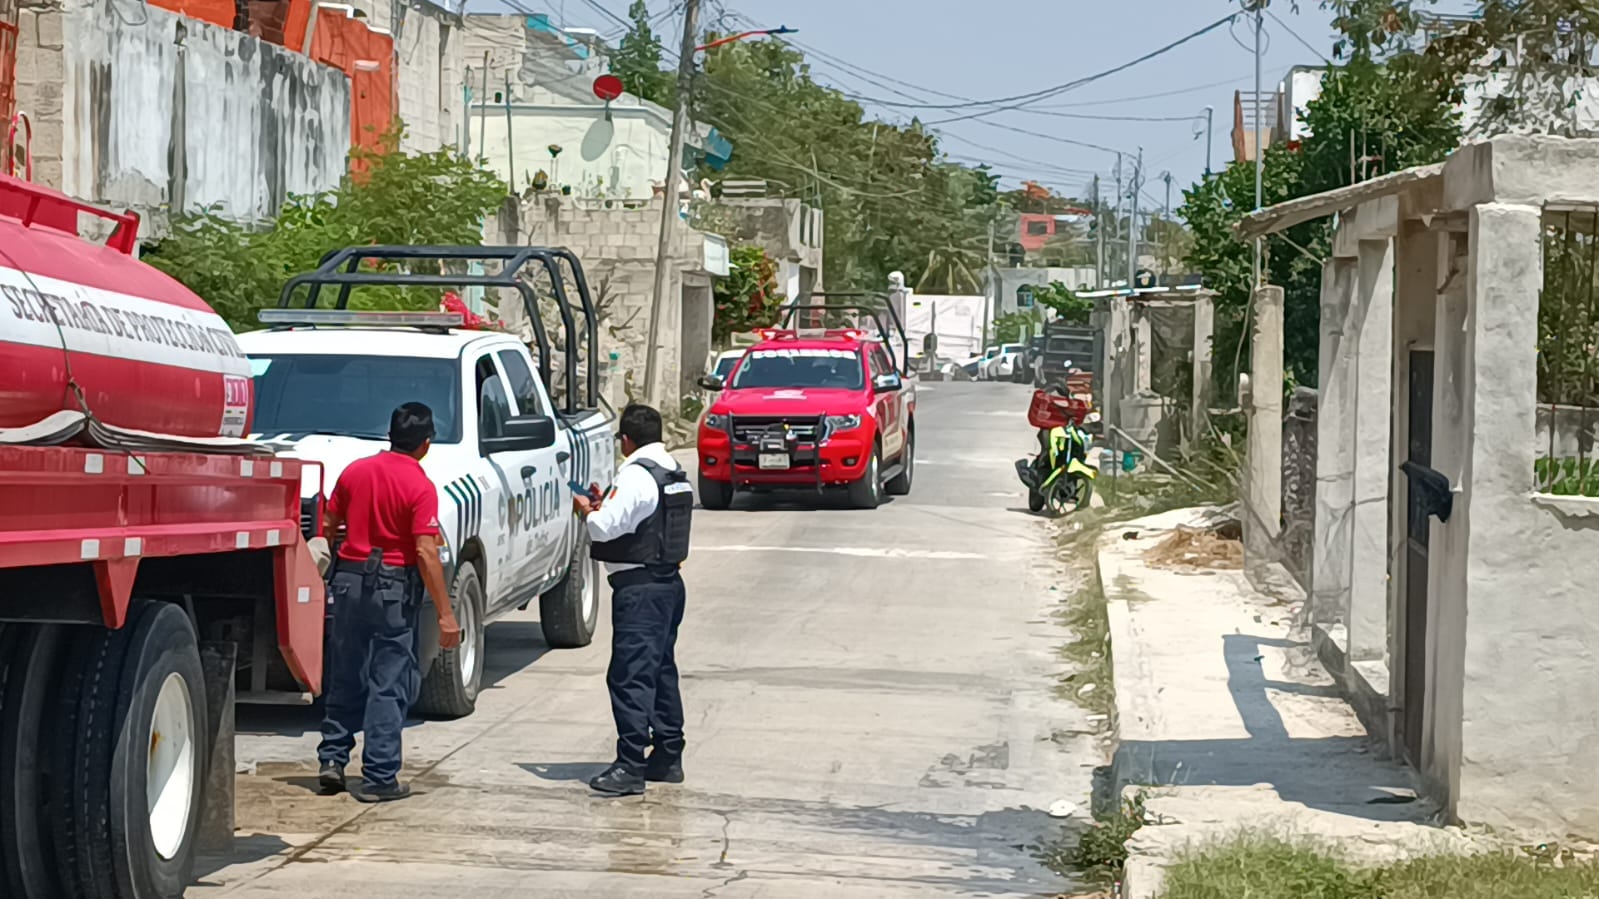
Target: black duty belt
[651,574]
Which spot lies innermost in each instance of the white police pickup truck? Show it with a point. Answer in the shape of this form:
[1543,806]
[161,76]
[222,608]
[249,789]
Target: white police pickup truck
[504,459]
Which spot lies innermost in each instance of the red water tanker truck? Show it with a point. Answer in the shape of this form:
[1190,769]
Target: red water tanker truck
[151,562]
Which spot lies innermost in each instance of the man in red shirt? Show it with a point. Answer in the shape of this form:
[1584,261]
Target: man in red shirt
[390,513]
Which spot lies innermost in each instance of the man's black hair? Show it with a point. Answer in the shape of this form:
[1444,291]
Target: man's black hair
[640,424]
[410,426]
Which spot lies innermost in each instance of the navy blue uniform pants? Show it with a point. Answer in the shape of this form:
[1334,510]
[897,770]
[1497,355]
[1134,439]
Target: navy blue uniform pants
[371,668]
[646,610]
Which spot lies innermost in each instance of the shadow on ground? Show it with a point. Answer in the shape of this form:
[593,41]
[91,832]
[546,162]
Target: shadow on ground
[1341,774]
[509,647]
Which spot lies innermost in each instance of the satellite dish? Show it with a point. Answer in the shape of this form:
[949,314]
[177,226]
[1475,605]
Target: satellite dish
[608,87]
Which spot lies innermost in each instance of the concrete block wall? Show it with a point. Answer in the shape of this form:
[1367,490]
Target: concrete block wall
[41,71]
[617,246]
[162,112]
[428,75]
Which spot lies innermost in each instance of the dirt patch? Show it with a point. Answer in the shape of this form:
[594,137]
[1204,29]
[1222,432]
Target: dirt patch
[1197,549]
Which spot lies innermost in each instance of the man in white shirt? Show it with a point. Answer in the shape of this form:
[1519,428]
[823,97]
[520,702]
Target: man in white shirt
[641,532]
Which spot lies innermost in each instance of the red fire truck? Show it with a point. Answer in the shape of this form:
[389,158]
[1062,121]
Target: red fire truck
[149,556]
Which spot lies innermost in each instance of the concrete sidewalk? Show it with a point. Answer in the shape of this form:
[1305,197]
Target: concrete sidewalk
[1225,714]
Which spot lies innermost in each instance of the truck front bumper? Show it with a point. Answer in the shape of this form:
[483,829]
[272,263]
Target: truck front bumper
[838,460]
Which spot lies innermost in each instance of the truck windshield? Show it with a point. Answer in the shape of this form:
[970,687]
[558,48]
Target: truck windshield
[352,396]
[819,368]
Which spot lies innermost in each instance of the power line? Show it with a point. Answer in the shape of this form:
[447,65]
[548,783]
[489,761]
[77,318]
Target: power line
[1002,104]
[1296,36]
[1114,118]
[1118,100]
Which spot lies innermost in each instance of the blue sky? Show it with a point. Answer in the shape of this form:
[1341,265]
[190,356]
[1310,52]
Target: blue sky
[1001,48]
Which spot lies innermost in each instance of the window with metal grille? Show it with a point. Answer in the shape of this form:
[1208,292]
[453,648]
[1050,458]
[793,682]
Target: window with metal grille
[1568,354]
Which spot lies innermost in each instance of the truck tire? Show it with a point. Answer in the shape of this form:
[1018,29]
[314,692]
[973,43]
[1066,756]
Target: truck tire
[131,718]
[570,611]
[451,686]
[715,495]
[867,492]
[900,484]
[29,661]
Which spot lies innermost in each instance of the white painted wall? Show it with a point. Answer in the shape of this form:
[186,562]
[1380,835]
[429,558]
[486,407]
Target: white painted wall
[617,159]
[959,321]
[160,111]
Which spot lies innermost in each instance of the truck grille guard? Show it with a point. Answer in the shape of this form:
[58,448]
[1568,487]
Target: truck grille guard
[800,437]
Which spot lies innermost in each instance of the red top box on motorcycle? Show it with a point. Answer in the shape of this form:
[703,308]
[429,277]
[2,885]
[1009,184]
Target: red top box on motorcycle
[1051,410]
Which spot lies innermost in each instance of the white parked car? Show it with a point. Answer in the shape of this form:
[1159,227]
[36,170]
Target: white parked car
[1000,364]
[726,362]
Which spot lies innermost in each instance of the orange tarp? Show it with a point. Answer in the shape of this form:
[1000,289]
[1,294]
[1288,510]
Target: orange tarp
[217,12]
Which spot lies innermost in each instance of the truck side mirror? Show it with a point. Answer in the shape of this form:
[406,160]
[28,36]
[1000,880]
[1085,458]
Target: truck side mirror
[522,433]
[887,383]
[712,383]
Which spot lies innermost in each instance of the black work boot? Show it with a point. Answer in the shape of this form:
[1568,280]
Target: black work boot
[618,781]
[330,779]
[366,792]
[663,768]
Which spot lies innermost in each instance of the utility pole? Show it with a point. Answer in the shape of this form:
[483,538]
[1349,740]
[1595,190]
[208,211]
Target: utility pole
[669,214]
[1165,228]
[1260,118]
[1099,239]
[991,295]
[1116,218]
[1210,113]
[1132,224]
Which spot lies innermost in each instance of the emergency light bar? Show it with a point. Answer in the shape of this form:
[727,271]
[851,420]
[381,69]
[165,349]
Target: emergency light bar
[775,334]
[314,317]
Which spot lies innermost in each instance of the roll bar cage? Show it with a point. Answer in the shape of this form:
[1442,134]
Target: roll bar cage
[341,269]
[856,304]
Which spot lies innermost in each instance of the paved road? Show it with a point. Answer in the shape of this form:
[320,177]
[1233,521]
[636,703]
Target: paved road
[871,712]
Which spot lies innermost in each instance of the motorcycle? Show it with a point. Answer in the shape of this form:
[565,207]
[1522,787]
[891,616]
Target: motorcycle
[1059,477]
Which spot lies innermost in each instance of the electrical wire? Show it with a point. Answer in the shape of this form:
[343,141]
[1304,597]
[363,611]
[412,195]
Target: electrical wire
[1296,36]
[1002,104]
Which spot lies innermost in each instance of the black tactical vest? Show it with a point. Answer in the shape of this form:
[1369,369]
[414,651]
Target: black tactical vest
[663,537]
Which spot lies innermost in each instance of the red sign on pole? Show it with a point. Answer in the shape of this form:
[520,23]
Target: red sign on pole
[608,87]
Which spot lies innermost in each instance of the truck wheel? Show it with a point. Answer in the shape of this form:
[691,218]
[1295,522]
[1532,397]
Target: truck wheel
[570,611]
[900,484]
[451,686]
[29,660]
[129,758]
[867,493]
[715,495]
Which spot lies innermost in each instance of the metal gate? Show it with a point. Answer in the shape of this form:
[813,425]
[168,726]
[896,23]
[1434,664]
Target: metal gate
[1417,528]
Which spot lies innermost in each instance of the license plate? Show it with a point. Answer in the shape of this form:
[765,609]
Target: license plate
[774,460]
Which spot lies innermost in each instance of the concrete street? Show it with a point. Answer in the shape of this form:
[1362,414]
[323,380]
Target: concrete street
[871,705]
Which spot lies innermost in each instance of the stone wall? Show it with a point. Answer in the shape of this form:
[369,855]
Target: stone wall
[157,112]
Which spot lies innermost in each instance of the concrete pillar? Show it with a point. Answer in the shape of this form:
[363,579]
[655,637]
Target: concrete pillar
[1263,484]
[1526,718]
[1204,330]
[1143,340]
[1369,328]
[1335,427]
[1115,362]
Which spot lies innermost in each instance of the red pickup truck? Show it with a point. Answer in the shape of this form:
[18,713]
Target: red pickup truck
[818,409]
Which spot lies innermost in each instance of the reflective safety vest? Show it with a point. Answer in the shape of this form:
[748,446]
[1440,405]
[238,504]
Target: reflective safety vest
[663,537]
